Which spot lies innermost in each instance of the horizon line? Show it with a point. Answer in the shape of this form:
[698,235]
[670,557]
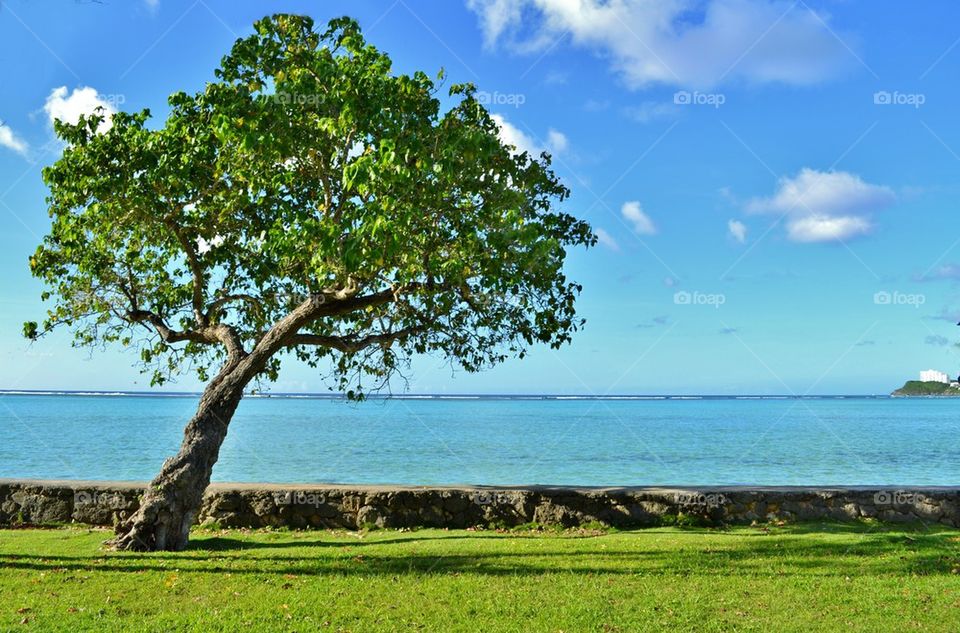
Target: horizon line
[439,396]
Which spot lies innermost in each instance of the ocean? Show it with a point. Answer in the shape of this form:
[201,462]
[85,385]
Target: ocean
[497,440]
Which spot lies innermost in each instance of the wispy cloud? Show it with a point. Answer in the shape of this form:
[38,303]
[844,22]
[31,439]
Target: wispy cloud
[946,314]
[823,206]
[605,239]
[10,140]
[697,44]
[651,111]
[556,142]
[949,272]
[937,340]
[737,230]
[633,213]
[657,321]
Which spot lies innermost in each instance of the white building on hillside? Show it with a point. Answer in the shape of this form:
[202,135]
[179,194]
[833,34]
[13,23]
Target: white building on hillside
[932,375]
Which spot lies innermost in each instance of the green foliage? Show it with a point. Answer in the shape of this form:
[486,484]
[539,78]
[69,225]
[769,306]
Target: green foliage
[308,169]
[683,519]
[210,525]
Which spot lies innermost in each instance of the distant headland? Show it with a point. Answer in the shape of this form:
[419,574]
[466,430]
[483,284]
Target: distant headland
[932,384]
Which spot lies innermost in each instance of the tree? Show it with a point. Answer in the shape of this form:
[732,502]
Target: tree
[308,202]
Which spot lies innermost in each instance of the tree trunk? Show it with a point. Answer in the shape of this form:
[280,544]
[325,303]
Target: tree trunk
[170,505]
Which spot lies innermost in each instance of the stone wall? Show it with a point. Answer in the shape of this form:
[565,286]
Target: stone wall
[352,507]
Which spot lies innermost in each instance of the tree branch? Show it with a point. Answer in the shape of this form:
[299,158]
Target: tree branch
[168,334]
[193,261]
[215,306]
[350,344]
[340,307]
[208,335]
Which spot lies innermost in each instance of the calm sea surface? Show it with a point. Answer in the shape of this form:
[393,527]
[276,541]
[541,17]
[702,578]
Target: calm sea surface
[817,441]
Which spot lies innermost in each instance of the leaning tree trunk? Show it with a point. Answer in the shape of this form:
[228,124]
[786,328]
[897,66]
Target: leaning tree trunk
[170,504]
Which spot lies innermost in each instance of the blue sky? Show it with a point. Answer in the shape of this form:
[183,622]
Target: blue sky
[774,183]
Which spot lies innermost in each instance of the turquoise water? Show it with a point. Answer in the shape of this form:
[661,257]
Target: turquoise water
[498,441]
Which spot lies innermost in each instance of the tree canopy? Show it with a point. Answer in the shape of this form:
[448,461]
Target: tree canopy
[307,199]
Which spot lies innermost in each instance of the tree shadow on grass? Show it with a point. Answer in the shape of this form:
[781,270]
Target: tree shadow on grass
[224,543]
[791,550]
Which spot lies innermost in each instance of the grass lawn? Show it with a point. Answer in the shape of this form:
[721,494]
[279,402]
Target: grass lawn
[791,578]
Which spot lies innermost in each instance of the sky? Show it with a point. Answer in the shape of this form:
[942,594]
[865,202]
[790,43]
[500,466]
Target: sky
[773,183]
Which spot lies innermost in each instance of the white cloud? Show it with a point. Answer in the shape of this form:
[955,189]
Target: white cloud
[694,43]
[607,240]
[152,5]
[10,140]
[557,141]
[825,228]
[738,230]
[203,246]
[496,15]
[68,107]
[510,134]
[633,213]
[824,206]
[823,192]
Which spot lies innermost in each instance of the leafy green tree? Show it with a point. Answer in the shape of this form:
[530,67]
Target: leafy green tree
[307,202]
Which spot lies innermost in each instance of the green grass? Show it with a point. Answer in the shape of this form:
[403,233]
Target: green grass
[858,577]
